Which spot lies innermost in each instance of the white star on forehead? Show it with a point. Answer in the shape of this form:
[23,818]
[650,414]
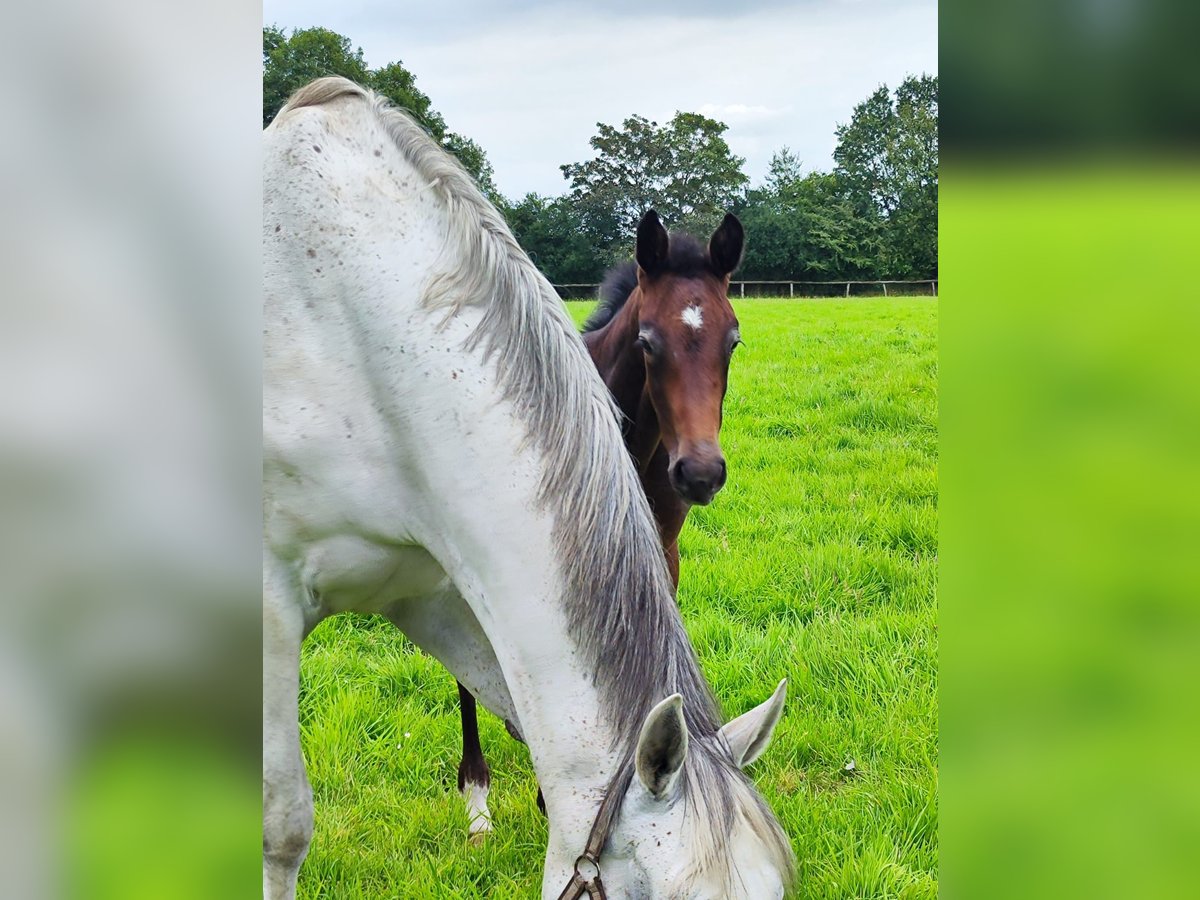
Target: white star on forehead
[693,317]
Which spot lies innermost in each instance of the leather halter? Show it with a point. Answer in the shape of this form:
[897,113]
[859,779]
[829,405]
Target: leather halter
[586,877]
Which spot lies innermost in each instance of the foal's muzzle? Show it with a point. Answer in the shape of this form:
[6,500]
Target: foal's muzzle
[698,478]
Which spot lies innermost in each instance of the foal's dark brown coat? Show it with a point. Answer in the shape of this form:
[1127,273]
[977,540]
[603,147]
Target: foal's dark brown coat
[662,338]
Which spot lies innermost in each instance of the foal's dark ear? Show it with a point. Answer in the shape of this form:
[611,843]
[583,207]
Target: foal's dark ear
[652,241]
[725,246]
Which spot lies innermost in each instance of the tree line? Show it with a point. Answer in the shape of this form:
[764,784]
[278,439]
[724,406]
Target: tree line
[873,216]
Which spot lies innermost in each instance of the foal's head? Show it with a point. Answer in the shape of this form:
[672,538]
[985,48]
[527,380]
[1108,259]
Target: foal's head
[687,333]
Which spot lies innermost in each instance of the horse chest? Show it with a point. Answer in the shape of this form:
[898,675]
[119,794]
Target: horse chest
[351,573]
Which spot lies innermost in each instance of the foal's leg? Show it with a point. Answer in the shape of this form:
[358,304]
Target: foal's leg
[474,779]
[443,625]
[287,797]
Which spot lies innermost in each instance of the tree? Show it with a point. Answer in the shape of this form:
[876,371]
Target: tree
[800,226]
[291,62]
[887,160]
[684,169]
[785,170]
[550,231]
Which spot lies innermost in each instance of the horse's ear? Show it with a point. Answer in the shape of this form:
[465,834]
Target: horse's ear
[749,734]
[725,246]
[652,244]
[662,747]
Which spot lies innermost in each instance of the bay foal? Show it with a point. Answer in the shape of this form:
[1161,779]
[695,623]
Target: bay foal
[662,339]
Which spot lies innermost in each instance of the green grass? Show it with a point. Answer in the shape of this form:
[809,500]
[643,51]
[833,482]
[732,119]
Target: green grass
[818,561]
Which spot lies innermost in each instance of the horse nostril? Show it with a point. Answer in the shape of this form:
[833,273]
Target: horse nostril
[681,472]
[698,482]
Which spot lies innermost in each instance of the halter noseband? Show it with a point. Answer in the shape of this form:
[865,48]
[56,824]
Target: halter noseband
[586,877]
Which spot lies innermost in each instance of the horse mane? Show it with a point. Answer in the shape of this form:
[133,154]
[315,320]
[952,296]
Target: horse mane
[618,600]
[686,258]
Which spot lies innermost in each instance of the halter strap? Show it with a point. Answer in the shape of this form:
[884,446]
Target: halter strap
[586,877]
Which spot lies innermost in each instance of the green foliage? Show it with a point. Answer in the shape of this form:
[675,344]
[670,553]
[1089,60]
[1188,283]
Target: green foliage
[874,216]
[550,231]
[818,561]
[801,227]
[684,169]
[887,161]
[289,63]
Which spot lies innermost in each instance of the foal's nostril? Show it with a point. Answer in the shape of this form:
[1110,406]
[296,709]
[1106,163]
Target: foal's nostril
[681,472]
[698,481]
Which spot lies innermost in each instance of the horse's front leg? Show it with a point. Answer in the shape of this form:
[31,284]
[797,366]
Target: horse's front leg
[287,797]
[474,778]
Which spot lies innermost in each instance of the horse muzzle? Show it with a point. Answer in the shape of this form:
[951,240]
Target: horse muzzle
[697,479]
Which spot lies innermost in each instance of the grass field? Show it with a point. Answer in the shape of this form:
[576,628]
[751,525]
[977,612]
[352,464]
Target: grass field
[818,561]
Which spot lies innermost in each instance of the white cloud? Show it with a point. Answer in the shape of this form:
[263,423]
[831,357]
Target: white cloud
[741,112]
[531,84]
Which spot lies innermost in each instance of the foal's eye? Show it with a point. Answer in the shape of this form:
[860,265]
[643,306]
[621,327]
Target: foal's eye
[644,345]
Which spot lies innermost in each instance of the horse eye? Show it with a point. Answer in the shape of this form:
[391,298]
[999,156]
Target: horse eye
[644,344]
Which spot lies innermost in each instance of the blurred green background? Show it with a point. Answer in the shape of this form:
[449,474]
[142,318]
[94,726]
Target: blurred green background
[1070,450]
[1070,440]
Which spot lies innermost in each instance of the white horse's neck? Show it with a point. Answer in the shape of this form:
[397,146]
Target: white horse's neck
[415,442]
[505,555]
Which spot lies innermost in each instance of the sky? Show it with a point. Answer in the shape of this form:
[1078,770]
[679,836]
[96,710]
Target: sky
[528,81]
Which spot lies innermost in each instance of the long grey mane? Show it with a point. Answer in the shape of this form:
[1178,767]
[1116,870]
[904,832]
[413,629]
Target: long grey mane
[618,598]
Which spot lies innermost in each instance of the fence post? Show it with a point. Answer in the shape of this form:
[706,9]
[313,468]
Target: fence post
[847,289]
[791,289]
[884,283]
[933,287]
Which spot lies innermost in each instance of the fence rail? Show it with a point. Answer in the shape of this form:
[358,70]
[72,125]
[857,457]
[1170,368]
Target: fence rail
[813,289]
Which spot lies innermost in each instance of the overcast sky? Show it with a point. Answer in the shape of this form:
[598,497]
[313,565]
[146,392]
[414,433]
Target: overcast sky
[529,80]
